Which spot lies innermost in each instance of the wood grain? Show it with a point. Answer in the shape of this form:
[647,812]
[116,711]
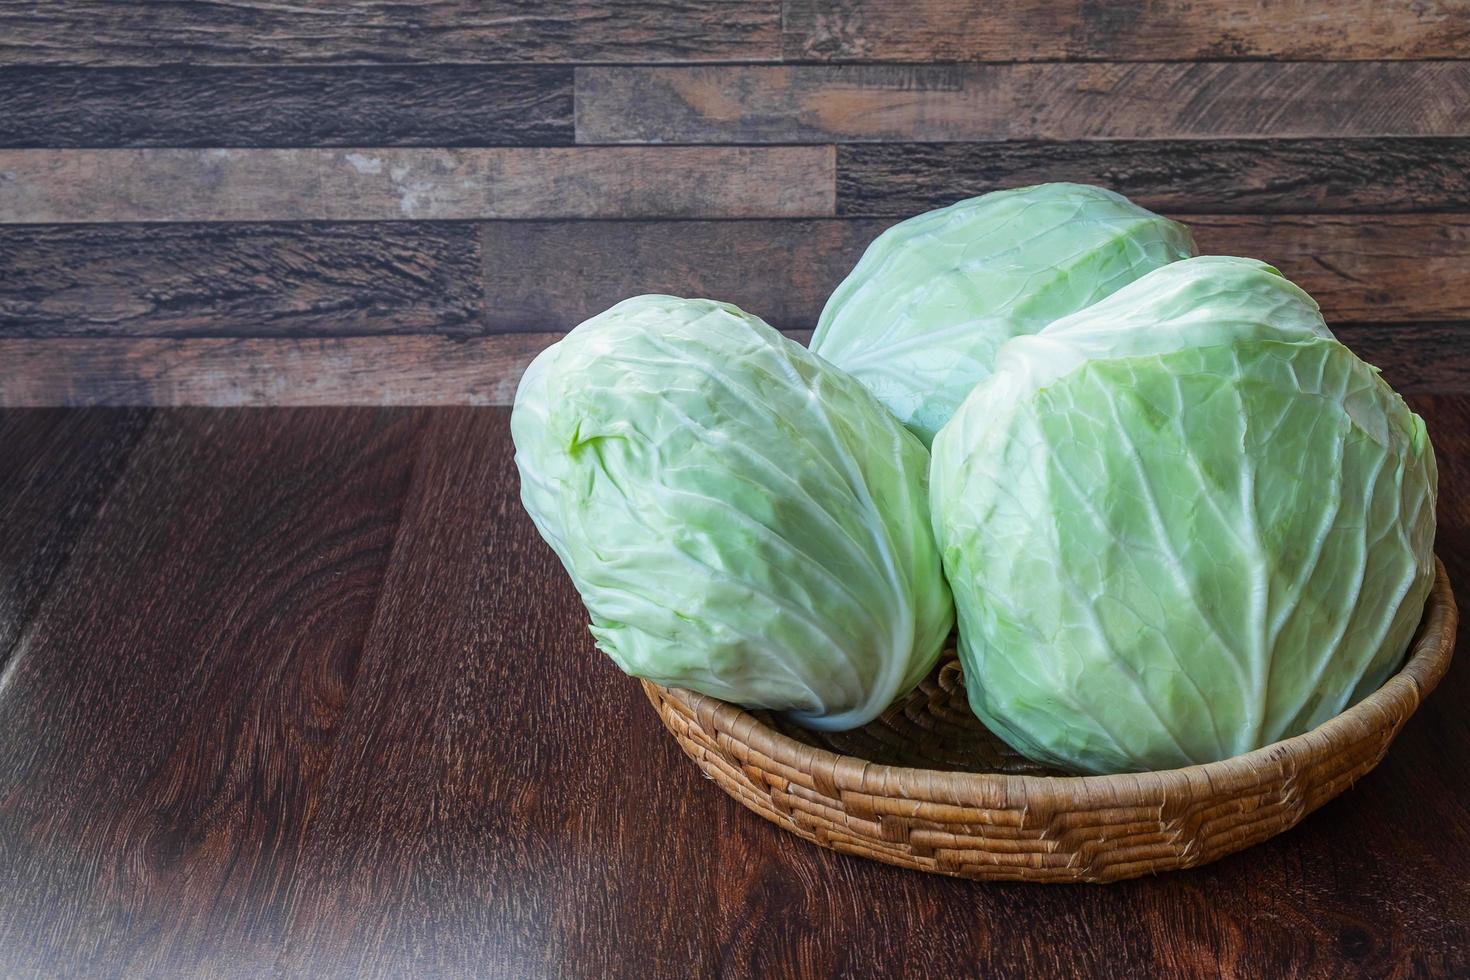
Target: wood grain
[420,894]
[431,105]
[324,372]
[200,280]
[40,186]
[425,771]
[301,692]
[1404,268]
[820,103]
[1416,358]
[171,713]
[261,32]
[1160,30]
[473,371]
[347,280]
[56,468]
[1445,417]
[1385,268]
[782,271]
[451,799]
[1187,176]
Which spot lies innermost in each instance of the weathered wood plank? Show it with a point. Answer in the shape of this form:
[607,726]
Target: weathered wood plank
[431,105]
[1401,268]
[1425,358]
[825,103]
[477,371]
[262,32]
[339,280]
[1405,268]
[1225,176]
[253,371]
[239,279]
[171,713]
[1083,30]
[782,271]
[68,185]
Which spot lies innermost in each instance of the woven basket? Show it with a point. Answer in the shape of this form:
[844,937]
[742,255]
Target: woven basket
[926,786]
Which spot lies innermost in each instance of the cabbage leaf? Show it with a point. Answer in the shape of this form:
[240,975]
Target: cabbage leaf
[921,316]
[740,518]
[1181,524]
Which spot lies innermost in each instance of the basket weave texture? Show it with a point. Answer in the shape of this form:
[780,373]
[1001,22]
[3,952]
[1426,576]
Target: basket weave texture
[926,786]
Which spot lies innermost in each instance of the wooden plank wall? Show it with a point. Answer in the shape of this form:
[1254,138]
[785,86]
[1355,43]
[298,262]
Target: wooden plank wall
[379,202]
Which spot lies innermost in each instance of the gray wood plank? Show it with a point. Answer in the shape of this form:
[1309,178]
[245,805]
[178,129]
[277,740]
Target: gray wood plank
[262,32]
[1188,176]
[204,280]
[89,185]
[180,105]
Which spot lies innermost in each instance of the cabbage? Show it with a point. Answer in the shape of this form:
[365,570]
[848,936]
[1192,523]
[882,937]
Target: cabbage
[921,316]
[1181,524]
[740,518]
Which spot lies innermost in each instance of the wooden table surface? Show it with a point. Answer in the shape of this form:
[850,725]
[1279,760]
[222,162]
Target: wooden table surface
[300,692]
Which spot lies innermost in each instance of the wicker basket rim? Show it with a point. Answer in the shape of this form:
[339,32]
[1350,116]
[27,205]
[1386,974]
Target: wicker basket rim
[1400,695]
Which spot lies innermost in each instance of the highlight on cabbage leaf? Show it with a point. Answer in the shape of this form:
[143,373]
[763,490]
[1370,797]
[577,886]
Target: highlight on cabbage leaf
[921,316]
[740,518]
[1181,524]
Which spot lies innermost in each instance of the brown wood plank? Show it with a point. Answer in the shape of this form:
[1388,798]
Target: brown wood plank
[1416,358]
[239,279]
[171,714]
[1188,176]
[782,271]
[323,372]
[474,371]
[1394,267]
[70,185]
[822,103]
[343,280]
[1159,30]
[260,32]
[430,105]
[56,468]
[1384,268]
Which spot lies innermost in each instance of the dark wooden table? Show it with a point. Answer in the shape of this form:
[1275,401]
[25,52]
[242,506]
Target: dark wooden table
[300,692]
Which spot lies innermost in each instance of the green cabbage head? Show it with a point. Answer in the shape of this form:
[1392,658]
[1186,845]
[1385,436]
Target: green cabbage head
[740,518]
[1181,524]
[932,299]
